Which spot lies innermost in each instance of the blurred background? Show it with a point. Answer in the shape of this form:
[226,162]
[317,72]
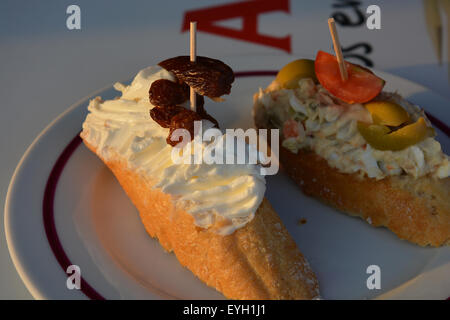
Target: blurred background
[45,66]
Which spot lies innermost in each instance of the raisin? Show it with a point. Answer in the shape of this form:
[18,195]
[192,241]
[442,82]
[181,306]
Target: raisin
[164,93]
[163,115]
[200,102]
[175,117]
[183,120]
[201,111]
[208,77]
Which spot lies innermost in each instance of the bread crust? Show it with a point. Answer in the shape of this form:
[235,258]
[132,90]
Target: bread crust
[258,261]
[417,210]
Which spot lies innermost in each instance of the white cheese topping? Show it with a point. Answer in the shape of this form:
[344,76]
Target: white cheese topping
[222,196]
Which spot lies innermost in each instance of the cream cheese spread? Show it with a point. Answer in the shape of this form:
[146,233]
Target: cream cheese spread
[222,196]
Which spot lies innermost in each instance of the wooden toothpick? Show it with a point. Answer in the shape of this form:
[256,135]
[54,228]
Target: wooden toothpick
[193,58]
[337,49]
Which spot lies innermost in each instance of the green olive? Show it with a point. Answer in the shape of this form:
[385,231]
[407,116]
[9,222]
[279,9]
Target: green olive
[387,113]
[380,137]
[291,73]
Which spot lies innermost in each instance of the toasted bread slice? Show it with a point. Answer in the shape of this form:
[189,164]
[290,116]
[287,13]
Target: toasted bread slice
[257,261]
[417,210]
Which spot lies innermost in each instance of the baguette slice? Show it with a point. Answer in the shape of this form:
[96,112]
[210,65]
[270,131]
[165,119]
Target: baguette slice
[257,261]
[417,210]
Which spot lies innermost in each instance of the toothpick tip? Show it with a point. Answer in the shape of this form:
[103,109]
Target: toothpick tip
[337,49]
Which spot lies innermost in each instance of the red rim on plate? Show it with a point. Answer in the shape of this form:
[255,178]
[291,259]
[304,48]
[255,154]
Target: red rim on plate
[55,174]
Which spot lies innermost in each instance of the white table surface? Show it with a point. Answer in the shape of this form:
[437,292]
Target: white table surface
[44,67]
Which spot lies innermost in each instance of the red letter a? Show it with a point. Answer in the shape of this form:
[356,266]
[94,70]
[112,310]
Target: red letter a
[248,11]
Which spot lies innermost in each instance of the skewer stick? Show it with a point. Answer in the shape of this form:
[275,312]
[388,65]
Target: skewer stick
[337,49]
[193,47]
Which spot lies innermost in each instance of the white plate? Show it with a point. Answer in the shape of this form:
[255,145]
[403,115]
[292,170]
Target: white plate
[99,229]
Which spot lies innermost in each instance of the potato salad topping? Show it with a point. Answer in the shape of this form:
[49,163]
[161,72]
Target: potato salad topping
[386,136]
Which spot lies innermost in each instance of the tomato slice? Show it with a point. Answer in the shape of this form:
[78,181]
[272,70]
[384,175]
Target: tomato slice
[361,86]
